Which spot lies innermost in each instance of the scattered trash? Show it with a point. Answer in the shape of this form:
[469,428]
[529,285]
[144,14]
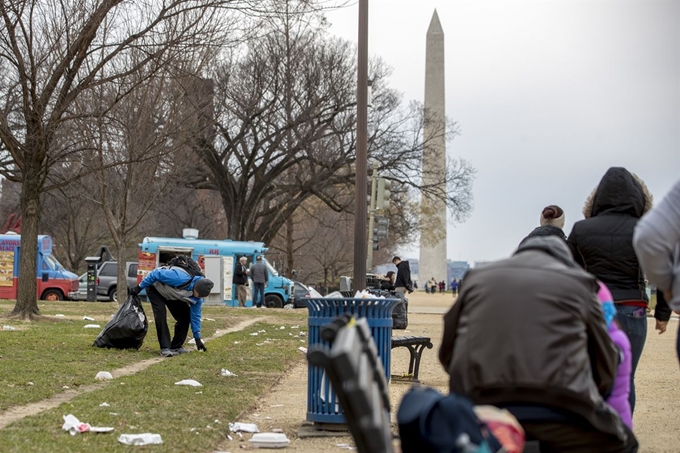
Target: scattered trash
[8,328]
[66,387]
[303,334]
[192,341]
[198,393]
[113,413]
[30,383]
[103,376]
[243,427]
[75,426]
[269,440]
[225,372]
[277,430]
[303,349]
[346,446]
[267,418]
[254,334]
[236,342]
[87,318]
[262,331]
[190,382]
[282,328]
[92,326]
[295,327]
[276,405]
[229,437]
[288,306]
[59,315]
[104,405]
[140,439]
[208,319]
[259,344]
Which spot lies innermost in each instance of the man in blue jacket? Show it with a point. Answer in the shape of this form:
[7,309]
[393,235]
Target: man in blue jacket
[182,294]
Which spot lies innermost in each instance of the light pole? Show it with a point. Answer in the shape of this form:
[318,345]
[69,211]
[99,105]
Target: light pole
[359,280]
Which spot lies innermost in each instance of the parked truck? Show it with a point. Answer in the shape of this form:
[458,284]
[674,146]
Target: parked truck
[52,280]
[217,258]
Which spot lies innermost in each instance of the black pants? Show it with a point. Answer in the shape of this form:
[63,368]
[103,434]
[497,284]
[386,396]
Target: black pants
[577,437]
[178,309]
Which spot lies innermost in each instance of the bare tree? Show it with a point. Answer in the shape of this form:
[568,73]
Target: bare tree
[53,54]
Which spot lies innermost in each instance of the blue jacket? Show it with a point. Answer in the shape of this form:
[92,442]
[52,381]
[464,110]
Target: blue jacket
[177,277]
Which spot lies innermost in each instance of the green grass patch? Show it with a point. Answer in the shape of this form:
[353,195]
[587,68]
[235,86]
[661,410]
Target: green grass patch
[56,354]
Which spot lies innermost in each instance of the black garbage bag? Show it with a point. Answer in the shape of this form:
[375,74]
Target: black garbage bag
[400,311]
[127,328]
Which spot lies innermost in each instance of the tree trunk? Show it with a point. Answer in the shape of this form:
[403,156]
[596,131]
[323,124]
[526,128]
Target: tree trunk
[27,301]
[290,250]
[122,269]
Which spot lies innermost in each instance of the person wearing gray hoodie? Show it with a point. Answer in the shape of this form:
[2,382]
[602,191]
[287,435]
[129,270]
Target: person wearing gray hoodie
[657,245]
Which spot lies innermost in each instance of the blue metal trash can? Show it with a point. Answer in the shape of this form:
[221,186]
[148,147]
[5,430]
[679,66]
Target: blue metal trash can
[322,403]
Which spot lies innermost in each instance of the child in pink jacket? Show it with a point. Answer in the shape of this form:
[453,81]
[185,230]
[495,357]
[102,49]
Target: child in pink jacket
[618,399]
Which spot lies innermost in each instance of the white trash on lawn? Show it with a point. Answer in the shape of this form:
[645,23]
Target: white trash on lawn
[88,318]
[92,326]
[75,426]
[140,439]
[225,372]
[269,440]
[243,427]
[303,349]
[8,328]
[190,382]
[104,376]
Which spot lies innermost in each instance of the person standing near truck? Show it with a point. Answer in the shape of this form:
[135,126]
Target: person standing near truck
[403,282]
[175,289]
[241,280]
[260,275]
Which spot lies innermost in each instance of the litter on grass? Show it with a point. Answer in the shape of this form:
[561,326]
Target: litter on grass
[59,315]
[192,341]
[190,382]
[104,405]
[225,372]
[269,440]
[8,328]
[103,376]
[88,318]
[140,439]
[75,426]
[303,349]
[243,427]
[92,326]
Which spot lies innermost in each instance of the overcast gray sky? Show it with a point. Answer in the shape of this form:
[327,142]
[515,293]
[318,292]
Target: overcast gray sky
[547,95]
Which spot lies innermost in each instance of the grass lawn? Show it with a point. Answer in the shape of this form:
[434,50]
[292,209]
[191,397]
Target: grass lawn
[39,358]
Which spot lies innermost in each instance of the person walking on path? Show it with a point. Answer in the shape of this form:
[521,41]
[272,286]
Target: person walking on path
[528,334]
[241,280]
[657,244]
[260,276]
[174,289]
[602,244]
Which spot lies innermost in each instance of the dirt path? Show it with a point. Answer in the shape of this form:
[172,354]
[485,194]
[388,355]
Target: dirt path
[657,413]
[19,412]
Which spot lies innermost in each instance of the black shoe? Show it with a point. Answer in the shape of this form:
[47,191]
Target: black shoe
[179,351]
[168,352]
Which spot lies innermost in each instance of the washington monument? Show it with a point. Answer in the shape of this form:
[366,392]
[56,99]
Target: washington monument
[433,209]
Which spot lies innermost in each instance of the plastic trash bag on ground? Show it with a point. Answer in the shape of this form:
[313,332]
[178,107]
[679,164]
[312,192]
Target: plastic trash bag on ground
[127,328]
[269,440]
[189,382]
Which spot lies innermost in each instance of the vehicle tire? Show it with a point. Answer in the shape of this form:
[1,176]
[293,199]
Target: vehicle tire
[52,295]
[113,294]
[273,301]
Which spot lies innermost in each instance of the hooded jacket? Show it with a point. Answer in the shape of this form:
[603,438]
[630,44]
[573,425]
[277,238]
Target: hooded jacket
[529,330]
[403,275]
[602,243]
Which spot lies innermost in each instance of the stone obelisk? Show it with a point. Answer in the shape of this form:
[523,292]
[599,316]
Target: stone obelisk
[433,209]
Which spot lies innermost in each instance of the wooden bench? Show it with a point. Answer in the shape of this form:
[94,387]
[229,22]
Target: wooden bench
[415,346]
[356,374]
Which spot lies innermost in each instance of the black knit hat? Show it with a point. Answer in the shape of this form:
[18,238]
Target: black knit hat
[552,215]
[203,287]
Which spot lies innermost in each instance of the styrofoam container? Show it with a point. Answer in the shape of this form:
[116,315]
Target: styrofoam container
[269,440]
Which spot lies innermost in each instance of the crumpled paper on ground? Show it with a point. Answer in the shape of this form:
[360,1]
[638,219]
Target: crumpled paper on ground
[243,427]
[91,326]
[225,372]
[103,376]
[75,426]
[140,439]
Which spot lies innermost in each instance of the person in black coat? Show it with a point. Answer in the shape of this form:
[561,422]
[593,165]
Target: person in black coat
[403,282]
[602,244]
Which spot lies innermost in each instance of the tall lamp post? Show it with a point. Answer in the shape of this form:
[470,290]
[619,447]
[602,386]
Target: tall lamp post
[359,280]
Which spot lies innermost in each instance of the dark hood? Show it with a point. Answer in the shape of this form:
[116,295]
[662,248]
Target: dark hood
[619,192]
[552,245]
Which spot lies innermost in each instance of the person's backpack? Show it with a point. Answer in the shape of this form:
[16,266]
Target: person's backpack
[430,422]
[189,265]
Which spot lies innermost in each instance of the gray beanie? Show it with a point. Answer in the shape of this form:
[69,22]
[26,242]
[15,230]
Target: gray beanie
[203,287]
[552,215]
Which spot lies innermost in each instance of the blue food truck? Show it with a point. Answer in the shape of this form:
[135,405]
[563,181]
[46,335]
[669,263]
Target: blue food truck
[217,258]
